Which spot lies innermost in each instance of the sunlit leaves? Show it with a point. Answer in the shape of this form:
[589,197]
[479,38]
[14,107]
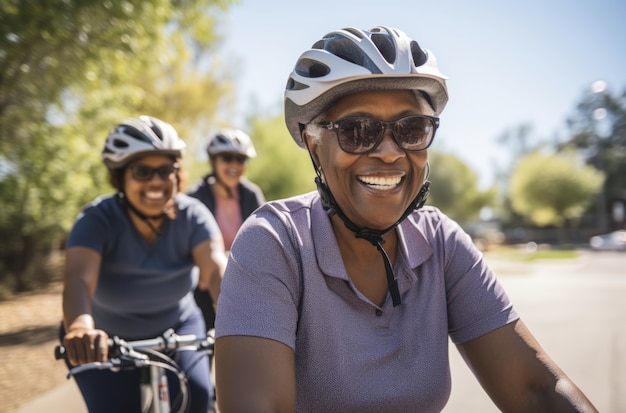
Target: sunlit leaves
[282,168]
[454,188]
[549,189]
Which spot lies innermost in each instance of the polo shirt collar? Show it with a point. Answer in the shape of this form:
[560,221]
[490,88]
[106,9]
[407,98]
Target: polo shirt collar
[410,235]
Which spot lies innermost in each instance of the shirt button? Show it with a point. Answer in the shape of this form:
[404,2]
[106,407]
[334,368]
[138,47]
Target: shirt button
[379,312]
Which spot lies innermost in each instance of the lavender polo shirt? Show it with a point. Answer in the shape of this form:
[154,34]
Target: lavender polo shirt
[286,281]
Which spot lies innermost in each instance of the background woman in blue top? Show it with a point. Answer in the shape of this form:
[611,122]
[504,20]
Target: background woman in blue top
[133,260]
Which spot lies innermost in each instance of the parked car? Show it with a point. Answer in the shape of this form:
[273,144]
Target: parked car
[613,241]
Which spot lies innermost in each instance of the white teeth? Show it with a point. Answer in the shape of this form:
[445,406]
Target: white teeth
[154,195]
[387,182]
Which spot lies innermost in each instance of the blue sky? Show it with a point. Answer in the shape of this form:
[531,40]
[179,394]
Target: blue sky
[508,63]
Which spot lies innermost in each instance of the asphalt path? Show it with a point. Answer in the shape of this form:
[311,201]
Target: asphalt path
[575,308]
[577,311]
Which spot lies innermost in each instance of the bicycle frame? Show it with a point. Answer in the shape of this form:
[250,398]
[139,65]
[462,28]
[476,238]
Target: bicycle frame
[149,356]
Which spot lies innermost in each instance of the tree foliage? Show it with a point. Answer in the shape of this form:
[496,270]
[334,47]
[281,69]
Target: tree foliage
[282,168]
[598,133]
[550,189]
[454,188]
[71,69]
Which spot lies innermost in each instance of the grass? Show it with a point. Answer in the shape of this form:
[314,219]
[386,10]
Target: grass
[531,252]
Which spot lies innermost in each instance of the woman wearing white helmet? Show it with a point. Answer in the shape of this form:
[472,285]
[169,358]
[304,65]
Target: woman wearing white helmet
[130,261]
[228,194]
[344,299]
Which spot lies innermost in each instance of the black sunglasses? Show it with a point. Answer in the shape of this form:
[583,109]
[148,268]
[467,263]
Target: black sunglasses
[145,173]
[359,135]
[229,158]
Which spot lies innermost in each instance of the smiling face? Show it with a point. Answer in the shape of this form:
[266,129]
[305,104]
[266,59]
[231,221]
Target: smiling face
[229,168]
[375,188]
[151,196]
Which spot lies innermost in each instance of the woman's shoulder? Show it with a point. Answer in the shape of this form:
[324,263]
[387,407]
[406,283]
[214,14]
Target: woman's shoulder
[432,223]
[192,212]
[191,206]
[248,185]
[430,215]
[103,205]
[198,186]
[184,200]
[291,215]
[291,205]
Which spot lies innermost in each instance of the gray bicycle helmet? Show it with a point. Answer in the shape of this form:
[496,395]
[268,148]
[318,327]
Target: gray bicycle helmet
[135,137]
[352,60]
[232,141]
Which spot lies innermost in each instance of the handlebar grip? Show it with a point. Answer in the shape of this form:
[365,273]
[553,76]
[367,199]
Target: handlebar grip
[60,353]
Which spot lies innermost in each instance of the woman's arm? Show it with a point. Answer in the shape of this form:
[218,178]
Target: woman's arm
[254,374]
[84,343]
[519,376]
[210,258]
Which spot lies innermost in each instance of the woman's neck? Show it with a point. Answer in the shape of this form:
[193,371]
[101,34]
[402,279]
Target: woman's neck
[363,262]
[223,191]
[148,228]
[358,248]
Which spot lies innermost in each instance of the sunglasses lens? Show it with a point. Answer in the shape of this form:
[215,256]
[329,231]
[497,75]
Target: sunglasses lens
[145,173]
[414,132]
[229,158]
[361,135]
[358,135]
[142,172]
[165,171]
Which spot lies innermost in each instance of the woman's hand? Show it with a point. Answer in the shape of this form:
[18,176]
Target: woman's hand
[85,345]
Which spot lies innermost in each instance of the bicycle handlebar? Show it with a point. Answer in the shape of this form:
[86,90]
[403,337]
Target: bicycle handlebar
[147,353]
[124,353]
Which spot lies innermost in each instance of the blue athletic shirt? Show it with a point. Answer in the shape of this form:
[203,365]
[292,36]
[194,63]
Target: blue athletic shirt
[143,289]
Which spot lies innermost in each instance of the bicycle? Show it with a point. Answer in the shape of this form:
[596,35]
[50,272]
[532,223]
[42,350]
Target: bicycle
[149,356]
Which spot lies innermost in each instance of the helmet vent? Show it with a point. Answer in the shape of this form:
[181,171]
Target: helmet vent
[419,56]
[311,68]
[220,139]
[293,85]
[136,133]
[349,51]
[385,46]
[355,32]
[120,143]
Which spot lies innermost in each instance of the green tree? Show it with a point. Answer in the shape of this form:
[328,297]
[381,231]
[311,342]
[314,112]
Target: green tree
[455,189]
[518,142]
[70,70]
[282,169]
[598,133]
[553,189]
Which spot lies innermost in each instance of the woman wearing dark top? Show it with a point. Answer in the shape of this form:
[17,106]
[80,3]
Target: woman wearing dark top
[227,193]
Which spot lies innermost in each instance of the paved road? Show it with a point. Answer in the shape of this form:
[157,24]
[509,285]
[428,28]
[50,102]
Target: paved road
[576,309]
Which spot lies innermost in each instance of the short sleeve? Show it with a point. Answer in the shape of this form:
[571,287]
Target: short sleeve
[261,288]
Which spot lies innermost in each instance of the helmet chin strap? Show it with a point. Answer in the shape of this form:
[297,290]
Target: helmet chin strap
[146,218]
[374,236]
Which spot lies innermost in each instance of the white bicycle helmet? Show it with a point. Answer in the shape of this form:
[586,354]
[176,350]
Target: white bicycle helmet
[352,60]
[232,141]
[140,136]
